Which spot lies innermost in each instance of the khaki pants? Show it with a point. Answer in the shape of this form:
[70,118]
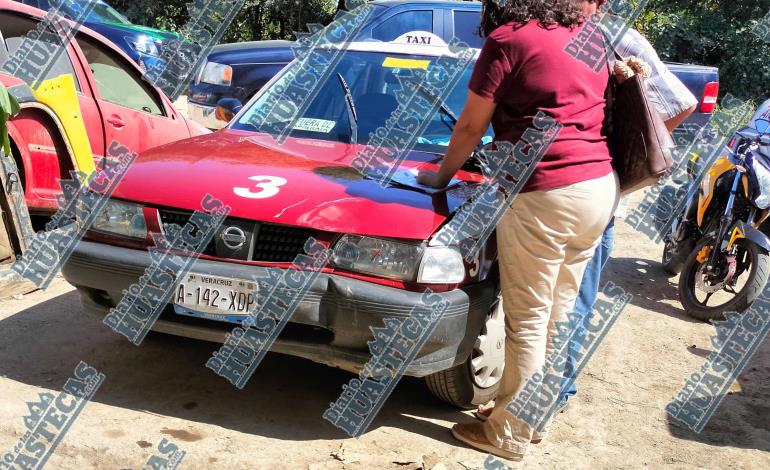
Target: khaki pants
[545,241]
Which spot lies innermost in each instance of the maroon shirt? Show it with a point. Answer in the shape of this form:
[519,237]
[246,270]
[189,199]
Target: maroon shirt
[524,69]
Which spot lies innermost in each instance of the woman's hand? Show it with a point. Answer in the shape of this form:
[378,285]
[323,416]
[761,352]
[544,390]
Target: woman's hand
[431,179]
[470,128]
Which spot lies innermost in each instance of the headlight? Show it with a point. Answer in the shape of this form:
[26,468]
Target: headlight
[398,260]
[441,265]
[706,185]
[216,74]
[145,45]
[121,218]
[385,258]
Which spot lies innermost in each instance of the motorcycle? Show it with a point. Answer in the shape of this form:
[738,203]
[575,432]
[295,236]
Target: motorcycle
[684,232]
[720,243]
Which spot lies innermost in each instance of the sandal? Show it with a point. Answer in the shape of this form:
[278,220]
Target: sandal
[473,435]
[482,414]
[483,411]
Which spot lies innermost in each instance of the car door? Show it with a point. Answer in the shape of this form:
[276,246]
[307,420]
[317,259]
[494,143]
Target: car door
[134,112]
[40,137]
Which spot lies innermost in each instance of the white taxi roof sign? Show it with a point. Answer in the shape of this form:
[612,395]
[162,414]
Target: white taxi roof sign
[420,38]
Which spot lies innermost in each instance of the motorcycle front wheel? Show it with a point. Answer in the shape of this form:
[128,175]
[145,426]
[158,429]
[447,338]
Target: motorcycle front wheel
[753,269]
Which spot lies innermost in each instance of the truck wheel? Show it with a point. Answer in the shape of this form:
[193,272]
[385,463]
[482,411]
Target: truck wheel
[475,381]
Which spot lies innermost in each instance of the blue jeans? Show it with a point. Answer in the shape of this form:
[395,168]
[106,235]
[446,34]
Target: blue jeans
[589,290]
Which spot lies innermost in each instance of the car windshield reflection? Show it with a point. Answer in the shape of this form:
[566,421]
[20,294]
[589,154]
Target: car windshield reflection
[373,81]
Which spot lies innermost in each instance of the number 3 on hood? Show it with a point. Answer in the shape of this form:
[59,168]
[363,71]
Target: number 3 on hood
[267,186]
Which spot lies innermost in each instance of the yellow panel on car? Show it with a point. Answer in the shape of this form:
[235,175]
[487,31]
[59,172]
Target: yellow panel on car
[398,63]
[61,96]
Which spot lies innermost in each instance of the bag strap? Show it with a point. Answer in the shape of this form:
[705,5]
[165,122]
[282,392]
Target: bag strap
[608,45]
[611,82]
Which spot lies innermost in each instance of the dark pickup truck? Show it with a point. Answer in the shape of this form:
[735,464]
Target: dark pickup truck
[240,70]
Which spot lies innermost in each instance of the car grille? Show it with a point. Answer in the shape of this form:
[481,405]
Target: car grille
[280,243]
[264,242]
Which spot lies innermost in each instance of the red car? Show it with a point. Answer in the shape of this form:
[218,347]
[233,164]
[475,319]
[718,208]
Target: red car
[283,194]
[115,104]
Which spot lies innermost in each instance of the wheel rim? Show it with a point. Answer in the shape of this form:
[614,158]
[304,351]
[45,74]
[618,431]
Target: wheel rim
[702,291]
[488,356]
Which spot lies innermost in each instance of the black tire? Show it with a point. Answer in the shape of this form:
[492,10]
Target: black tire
[671,263]
[459,386]
[455,387]
[759,270]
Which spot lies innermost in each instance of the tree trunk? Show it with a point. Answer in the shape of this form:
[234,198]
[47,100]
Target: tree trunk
[256,22]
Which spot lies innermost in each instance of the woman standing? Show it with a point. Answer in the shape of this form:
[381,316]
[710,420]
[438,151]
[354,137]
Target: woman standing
[552,228]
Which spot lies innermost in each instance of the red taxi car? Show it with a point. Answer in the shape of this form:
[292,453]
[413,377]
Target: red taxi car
[115,104]
[283,194]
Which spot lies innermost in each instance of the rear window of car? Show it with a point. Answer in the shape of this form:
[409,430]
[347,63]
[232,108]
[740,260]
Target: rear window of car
[402,23]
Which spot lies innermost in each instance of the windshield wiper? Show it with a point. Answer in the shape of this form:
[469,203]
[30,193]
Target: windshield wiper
[481,162]
[352,114]
[442,107]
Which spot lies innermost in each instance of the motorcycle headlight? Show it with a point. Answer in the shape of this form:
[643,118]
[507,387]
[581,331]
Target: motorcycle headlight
[398,260]
[216,74]
[762,175]
[121,218]
[706,185]
[145,45]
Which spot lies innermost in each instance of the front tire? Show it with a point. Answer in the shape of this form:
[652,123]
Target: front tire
[672,265]
[475,381]
[758,274]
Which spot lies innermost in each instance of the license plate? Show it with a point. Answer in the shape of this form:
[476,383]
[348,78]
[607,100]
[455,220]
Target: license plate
[216,295]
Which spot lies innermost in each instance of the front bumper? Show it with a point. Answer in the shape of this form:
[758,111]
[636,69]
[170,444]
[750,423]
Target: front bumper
[204,115]
[331,325]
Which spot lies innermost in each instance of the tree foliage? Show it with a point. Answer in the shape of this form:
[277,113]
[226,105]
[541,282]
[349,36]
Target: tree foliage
[8,108]
[708,32]
[257,20]
[714,32]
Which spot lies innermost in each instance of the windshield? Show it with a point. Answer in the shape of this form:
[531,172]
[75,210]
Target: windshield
[372,79]
[104,13]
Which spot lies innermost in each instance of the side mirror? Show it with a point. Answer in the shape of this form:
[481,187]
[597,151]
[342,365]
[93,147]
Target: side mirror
[227,108]
[762,125]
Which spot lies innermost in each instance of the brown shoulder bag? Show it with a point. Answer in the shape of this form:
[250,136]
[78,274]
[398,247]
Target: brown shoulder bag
[639,142]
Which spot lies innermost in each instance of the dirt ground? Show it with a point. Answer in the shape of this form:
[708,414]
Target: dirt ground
[162,389]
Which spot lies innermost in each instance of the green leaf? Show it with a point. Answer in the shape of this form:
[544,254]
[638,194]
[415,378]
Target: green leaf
[9,107]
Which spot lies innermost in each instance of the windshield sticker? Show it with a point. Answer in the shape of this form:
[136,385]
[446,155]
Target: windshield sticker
[397,63]
[315,125]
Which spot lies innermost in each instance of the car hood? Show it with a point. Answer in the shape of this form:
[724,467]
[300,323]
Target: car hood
[321,190]
[254,52]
